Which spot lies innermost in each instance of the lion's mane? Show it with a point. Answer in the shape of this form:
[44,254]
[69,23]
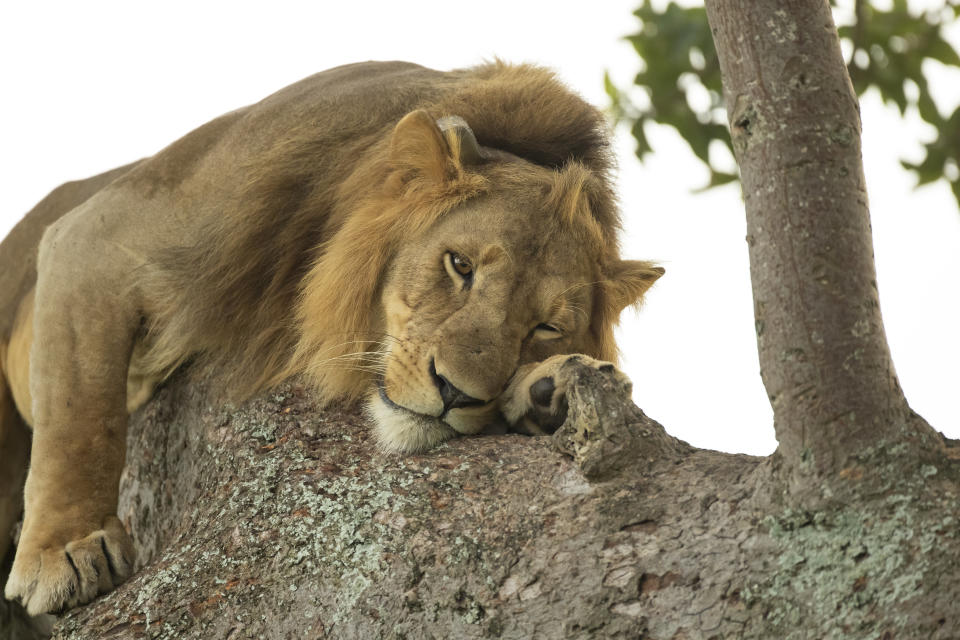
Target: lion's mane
[286,279]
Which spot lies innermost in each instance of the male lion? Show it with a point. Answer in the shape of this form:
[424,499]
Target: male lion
[436,243]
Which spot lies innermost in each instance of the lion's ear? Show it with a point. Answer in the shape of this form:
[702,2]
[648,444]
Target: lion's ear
[624,283]
[460,140]
[627,281]
[432,149]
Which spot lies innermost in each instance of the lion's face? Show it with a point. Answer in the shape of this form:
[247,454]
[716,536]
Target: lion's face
[465,264]
[492,285]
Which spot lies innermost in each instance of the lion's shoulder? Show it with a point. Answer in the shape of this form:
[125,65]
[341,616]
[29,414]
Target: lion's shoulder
[18,250]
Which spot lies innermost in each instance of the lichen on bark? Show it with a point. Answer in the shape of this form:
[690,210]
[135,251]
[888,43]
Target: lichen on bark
[278,520]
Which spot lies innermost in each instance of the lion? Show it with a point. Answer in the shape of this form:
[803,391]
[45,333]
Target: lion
[434,244]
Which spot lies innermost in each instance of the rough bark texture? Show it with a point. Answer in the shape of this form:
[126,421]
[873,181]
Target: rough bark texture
[277,520]
[795,124]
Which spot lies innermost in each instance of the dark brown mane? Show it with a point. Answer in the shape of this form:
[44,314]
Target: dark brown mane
[525,110]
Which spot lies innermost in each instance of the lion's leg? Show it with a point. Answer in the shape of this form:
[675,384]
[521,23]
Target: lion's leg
[14,449]
[535,401]
[72,545]
[14,411]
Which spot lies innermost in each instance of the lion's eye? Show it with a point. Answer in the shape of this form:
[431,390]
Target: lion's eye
[459,265]
[546,331]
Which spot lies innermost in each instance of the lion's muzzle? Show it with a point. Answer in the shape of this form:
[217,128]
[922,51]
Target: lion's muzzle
[452,397]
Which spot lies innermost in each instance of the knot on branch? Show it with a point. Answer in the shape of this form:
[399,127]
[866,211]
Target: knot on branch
[604,432]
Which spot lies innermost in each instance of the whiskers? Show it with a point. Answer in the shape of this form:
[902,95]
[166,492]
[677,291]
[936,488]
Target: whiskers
[576,286]
[366,356]
[561,301]
[366,361]
[578,310]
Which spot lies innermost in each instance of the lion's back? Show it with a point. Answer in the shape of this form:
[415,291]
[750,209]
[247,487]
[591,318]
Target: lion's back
[249,196]
[329,99]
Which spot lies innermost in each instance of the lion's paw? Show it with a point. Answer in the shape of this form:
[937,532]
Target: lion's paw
[535,402]
[52,578]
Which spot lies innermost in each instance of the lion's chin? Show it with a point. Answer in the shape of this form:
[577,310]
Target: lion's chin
[402,430]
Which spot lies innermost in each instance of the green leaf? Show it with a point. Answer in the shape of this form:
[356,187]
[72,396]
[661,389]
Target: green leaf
[928,108]
[718,178]
[676,53]
[927,171]
[611,90]
[643,145]
[616,105]
[940,50]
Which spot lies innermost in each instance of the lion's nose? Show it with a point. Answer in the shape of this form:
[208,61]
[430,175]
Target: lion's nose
[451,397]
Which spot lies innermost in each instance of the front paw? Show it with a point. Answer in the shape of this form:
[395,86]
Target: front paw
[49,577]
[535,402]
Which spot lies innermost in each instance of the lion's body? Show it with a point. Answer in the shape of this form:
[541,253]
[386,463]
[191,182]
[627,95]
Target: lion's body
[320,232]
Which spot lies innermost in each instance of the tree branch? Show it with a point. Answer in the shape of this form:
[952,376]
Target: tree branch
[281,519]
[794,121]
[277,520]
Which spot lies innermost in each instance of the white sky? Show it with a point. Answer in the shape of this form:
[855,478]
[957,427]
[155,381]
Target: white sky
[88,86]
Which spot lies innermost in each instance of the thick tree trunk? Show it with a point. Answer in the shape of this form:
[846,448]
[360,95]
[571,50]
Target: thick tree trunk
[795,124]
[277,520]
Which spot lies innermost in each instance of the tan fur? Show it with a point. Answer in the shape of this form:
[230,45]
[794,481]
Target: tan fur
[517,404]
[309,235]
[14,445]
[15,361]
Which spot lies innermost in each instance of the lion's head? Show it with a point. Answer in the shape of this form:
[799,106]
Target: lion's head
[372,245]
[475,262]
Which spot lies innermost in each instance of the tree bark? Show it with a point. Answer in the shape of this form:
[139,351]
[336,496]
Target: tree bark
[278,520]
[795,125]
